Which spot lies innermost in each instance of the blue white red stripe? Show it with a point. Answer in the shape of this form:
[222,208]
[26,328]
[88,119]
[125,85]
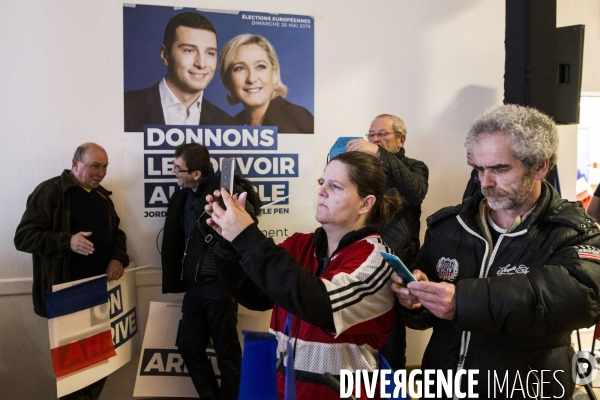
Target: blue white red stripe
[589,252]
[79,326]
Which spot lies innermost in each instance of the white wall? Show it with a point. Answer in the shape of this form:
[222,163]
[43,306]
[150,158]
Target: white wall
[586,12]
[567,161]
[437,64]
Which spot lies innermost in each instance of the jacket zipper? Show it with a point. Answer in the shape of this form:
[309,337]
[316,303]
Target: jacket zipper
[483,272]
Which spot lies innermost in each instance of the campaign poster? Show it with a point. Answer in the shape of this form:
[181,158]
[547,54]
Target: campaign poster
[161,370]
[123,326]
[260,111]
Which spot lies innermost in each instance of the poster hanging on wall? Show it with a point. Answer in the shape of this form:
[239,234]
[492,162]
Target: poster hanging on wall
[240,83]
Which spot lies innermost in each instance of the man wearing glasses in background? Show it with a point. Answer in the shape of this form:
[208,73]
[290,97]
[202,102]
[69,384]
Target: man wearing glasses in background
[386,139]
[188,263]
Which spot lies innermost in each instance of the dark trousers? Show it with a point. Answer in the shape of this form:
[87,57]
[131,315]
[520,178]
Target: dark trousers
[394,350]
[91,392]
[209,313]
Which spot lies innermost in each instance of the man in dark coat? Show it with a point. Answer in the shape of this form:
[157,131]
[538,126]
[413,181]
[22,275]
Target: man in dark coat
[386,139]
[189,51]
[71,228]
[506,276]
[188,264]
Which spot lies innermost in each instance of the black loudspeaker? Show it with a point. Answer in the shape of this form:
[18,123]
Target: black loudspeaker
[569,56]
[535,64]
[530,76]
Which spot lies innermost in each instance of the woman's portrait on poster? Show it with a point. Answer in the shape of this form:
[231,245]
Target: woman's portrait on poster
[251,73]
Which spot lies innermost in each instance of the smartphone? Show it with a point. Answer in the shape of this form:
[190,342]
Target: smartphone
[227,169]
[398,267]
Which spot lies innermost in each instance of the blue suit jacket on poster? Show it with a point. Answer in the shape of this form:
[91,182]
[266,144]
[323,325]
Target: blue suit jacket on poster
[143,107]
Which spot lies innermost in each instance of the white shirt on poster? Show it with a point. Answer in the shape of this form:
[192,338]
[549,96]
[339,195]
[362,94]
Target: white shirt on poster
[175,112]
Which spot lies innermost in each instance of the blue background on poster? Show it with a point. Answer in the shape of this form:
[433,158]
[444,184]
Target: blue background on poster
[143,31]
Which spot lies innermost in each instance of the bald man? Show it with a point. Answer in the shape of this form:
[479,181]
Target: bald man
[72,231]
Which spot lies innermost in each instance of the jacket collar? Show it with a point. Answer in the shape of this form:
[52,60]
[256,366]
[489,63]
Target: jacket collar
[548,200]
[203,184]
[67,182]
[400,153]
[320,240]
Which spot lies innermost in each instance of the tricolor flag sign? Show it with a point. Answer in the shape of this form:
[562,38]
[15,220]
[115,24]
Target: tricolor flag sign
[79,326]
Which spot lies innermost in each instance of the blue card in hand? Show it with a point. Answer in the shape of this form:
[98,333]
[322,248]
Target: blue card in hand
[340,145]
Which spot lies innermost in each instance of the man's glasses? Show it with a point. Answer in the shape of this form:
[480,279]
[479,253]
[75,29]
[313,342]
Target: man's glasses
[178,170]
[380,134]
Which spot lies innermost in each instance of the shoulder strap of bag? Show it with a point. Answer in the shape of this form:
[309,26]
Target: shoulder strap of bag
[204,229]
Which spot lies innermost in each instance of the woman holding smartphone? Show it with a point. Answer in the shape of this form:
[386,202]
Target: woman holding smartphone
[334,281]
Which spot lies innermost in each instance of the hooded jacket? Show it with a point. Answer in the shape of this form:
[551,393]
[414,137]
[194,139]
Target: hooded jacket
[516,302]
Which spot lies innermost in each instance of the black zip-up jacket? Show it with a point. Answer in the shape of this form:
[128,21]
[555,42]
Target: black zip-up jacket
[173,245]
[409,177]
[516,303]
[44,231]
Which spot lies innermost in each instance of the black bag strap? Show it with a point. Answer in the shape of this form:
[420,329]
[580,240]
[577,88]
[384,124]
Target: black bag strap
[204,229]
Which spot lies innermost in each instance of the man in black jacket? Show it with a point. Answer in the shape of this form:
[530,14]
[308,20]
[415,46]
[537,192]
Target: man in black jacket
[506,276]
[386,139]
[188,264]
[71,228]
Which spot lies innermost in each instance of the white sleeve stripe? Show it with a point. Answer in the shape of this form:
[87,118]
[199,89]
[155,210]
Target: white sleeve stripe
[363,285]
[345,303]
[367,263]
[381,276]
[355,283]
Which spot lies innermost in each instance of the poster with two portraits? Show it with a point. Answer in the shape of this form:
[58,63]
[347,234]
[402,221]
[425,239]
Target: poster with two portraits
[255,106]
